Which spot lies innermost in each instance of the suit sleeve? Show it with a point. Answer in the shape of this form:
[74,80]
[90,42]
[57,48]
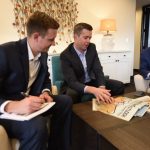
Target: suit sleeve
[3,73]
[144,64]
[47,82]
[98,69]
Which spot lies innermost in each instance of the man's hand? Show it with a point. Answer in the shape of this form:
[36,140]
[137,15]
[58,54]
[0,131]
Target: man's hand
[46,97]
[101,94]
[27,105]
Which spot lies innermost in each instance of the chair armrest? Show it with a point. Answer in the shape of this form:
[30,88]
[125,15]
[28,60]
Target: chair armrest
[59,84]
[54,90]
[15,144]
[4,140]
[140,83]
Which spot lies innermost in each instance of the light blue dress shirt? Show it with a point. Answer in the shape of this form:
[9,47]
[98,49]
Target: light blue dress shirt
[82,57]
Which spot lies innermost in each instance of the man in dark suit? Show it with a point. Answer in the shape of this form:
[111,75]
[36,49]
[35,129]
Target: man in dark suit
[83,74]
[145,64]
[23,69]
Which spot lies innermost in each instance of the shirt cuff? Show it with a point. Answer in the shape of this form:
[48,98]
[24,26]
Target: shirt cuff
[2,108]
[49,92]
[85,89]
[102,86]
[46,90]
[148,76]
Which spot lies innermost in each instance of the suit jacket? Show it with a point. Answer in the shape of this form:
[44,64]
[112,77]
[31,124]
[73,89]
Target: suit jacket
[73,70]
[145,62]
[14,71]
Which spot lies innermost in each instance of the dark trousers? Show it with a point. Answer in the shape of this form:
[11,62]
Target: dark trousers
[33,134]
[116,88]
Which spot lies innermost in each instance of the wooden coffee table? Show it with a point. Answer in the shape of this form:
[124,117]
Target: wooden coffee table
[97,131]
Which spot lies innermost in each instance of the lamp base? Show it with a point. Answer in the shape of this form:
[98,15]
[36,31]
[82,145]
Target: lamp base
[108,34]
[108,43]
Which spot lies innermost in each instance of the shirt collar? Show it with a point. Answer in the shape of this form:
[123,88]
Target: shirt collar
[30,54]
[78,52]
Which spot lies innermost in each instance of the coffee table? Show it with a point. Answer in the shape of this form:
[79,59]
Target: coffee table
[98,131]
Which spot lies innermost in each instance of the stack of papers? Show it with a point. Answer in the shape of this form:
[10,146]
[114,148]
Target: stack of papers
[124,109]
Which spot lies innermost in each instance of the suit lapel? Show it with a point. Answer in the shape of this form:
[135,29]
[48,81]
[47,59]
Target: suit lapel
[25,59]
[88,59]
[43,61]
[77,60]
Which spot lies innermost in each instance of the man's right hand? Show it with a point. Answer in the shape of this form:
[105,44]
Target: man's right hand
[25,106]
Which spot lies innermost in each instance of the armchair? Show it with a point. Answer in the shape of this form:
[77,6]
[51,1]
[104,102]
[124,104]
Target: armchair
[141,84]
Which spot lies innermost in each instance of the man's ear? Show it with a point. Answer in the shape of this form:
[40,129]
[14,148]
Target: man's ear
[76,36]
[36,35]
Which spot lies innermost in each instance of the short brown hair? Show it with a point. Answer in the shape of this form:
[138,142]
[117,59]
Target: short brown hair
[40,22]
[80,26]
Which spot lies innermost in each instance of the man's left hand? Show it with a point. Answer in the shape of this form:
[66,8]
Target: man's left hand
[46,97]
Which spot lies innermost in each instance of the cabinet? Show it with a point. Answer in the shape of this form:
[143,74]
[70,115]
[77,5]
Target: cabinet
[117,65]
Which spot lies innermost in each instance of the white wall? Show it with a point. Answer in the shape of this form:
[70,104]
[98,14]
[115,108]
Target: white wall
[7,31]
[91,12]
[121,10]
[137,38]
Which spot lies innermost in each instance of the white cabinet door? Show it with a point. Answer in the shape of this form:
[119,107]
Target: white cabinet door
[109,67]
[117,65]
[123,71]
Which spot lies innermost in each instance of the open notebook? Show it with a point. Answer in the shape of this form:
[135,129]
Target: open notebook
[12,116]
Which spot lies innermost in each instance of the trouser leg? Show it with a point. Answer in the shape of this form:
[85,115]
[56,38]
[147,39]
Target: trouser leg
[116,87]
[76,97]
[60,123]
[32,134]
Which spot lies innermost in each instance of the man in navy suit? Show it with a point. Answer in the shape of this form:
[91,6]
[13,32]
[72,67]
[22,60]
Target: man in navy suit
[83,74]
[145,64]
[23,69]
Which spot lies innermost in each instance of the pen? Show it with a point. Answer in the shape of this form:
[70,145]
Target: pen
[24,94]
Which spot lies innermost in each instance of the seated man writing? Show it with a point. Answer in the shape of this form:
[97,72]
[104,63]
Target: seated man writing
[83,74]
[23,72]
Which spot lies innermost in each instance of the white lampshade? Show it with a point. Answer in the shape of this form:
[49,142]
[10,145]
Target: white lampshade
[108,25]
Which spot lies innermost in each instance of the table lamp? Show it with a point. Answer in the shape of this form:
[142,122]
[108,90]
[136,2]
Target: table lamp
[108,26]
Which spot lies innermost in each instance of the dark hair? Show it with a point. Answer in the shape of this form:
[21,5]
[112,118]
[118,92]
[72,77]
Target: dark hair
[80,26]
[40,22]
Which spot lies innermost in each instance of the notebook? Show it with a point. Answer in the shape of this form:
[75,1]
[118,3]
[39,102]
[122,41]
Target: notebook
[18,117]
